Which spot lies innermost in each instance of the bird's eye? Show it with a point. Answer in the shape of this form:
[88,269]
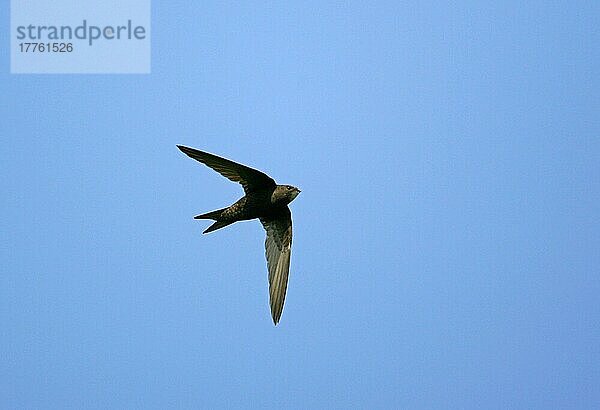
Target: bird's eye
[288,187]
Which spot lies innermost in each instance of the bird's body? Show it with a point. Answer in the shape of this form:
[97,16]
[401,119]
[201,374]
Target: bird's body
[264,200]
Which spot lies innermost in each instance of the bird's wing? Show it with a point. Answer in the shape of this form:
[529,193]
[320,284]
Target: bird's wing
[278,246]
[251,179]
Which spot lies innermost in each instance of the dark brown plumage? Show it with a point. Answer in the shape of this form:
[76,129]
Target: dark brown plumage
[265,200]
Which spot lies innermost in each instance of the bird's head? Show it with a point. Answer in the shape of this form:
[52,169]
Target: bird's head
[285,194]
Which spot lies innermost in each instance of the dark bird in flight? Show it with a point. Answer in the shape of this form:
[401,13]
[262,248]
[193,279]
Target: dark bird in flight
[266,201]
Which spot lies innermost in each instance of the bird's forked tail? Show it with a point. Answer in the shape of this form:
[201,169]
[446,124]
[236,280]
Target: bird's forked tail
[214,215]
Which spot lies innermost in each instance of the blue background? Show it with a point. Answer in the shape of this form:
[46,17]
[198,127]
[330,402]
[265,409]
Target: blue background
[446,237]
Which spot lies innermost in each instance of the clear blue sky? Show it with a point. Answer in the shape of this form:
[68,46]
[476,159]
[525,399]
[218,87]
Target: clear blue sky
[446,249]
